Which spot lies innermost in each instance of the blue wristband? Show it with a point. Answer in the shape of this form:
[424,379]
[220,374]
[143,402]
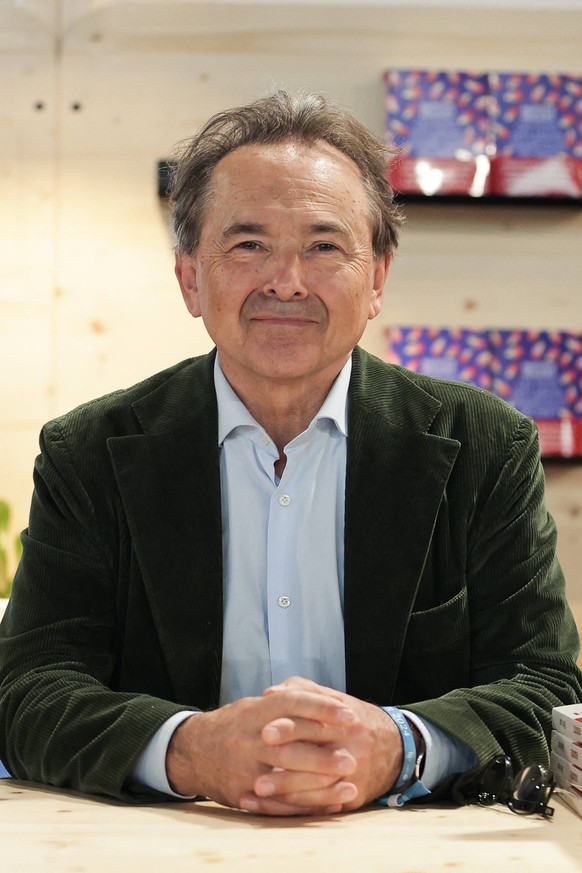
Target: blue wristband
[410,760]
[409,757]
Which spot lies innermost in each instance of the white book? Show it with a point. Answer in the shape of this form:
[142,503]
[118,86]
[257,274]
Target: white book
[567,720]
[567,748]
[566,774]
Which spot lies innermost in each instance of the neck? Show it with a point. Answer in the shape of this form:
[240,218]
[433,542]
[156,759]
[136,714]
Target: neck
[283,407]
[285,413]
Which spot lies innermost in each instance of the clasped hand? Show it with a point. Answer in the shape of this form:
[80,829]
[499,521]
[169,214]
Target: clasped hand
[300,749]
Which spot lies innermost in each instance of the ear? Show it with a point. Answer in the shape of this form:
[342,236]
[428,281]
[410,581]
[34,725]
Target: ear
[185,270]
[381,267]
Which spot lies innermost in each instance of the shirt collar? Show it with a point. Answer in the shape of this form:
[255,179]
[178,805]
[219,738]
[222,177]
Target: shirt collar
[232,412]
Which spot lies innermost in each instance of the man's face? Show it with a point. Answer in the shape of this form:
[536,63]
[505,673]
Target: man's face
[284,275]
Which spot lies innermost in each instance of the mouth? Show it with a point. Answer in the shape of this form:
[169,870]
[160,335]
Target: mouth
[283,321]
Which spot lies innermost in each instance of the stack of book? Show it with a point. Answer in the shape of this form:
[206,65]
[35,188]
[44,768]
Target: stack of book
[566,753]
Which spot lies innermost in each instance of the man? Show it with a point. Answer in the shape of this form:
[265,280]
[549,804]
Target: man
[231,567]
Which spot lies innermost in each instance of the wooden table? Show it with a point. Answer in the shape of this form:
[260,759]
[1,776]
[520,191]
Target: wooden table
[58,832]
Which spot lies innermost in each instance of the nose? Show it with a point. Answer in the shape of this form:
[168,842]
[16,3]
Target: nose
[284,277]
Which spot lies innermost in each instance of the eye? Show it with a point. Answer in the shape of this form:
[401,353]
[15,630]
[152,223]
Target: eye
[325,247]
[248,245]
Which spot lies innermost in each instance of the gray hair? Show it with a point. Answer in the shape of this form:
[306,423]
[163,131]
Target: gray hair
[273,119]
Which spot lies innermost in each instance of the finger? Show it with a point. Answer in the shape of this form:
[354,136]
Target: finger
[339,793]
[306,801]
[273,806]
[278,782]
[302,703]
[309,758]
[287,730]
[306,685]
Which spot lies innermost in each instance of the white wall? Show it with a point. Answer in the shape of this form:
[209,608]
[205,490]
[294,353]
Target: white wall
[99,91]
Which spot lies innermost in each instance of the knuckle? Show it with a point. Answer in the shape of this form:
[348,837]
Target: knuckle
[278,756]
[245,705]
[293,698]
[286,727]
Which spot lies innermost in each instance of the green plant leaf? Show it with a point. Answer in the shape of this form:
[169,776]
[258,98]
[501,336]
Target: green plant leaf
[4,515]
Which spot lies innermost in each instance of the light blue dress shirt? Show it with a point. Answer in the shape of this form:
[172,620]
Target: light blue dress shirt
[283,547]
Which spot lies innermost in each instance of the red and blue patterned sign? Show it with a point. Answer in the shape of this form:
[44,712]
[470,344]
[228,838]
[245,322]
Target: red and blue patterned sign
[537,116]
[441,123]
[437,113]
[538,135]
[538,372]
[511,134]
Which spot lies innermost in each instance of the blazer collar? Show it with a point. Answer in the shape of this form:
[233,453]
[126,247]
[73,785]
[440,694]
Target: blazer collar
[179,402]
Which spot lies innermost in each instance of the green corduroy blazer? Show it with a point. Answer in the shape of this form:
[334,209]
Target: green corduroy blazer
[454,602]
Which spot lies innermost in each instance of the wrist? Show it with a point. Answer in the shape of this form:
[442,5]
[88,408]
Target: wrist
[180,771]
[408,784]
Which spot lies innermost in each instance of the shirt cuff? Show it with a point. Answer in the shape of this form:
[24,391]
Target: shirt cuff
[150,769]
[444,754]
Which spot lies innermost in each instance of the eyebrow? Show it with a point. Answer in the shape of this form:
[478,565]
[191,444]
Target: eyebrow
[252,228]
[329,227]
[244,228]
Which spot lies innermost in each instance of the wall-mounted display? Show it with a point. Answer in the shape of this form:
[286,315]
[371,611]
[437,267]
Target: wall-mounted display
[441,123]
[537,135]
[485,134]
[538,372]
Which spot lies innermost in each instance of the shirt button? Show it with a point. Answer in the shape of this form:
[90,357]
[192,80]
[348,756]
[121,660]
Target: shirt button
[284,601]
[284,500]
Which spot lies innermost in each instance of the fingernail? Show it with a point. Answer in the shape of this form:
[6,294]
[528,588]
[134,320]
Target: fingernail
[264,788]
[271,734]
[345,764]
[345,715]
[348,793]
[249,804]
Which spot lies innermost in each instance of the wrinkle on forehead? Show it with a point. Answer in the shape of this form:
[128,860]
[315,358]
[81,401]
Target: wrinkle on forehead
[286,161]
[258,187]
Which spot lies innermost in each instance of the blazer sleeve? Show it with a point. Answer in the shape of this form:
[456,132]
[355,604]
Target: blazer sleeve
[523,639]
[60,723]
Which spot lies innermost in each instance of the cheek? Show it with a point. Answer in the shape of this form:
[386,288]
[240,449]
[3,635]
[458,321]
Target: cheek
[211,287]
[226,294]
[232,278]
[357,294]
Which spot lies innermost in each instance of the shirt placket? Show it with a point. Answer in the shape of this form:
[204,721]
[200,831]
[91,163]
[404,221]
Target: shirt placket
[283,607]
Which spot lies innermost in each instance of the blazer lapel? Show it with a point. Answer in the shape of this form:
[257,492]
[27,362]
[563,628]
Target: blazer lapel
[396,476]
[169,479]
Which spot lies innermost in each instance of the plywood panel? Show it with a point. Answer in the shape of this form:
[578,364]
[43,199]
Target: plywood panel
[99,91]
[120,313]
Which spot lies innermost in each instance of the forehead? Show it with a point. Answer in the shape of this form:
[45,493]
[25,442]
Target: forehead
[292,172]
